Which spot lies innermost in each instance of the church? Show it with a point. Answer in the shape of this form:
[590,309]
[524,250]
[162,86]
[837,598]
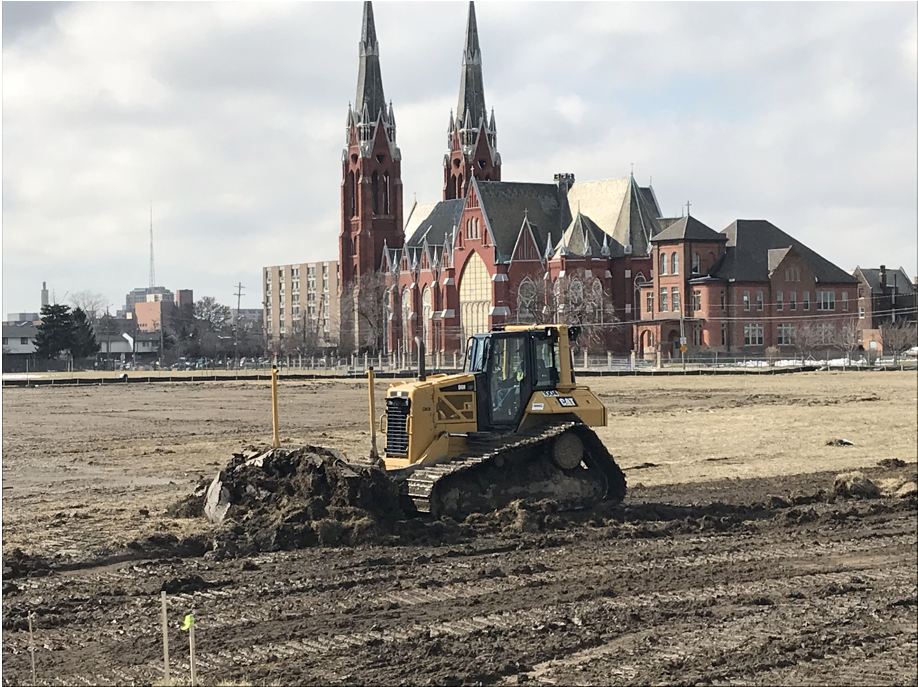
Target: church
[493,252]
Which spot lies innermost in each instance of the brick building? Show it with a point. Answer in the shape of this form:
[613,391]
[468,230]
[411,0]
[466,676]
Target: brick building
[746,289]
[884,296]
[490,252]
[595,253]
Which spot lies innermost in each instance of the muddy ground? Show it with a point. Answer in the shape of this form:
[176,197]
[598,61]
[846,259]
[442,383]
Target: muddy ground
[730,561]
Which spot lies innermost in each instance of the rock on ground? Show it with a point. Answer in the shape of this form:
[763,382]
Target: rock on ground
[855,485]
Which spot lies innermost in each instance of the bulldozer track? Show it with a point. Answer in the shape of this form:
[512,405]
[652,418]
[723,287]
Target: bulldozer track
[426,487]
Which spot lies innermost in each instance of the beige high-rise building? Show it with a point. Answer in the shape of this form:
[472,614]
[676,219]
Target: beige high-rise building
[301,307]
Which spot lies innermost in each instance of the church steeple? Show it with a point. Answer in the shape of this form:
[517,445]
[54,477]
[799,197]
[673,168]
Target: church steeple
[371,189]
[472,138]
[471,84]
[369,78]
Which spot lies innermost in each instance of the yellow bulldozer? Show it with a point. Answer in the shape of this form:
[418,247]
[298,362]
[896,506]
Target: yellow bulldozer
[513,425]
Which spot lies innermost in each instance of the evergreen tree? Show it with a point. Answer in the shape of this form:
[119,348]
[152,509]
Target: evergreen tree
[56,331]
[84,338]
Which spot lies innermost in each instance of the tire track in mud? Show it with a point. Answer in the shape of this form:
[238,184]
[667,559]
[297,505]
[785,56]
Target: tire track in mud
[243,604]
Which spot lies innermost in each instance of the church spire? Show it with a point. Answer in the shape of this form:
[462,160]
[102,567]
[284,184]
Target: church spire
[369,79]
[472,152]
[471,84]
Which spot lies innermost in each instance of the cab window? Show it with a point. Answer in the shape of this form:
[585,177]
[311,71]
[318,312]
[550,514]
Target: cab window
[546,364]
[475,358]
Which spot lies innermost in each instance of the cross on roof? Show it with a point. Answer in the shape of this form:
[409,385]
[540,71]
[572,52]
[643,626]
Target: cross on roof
[688,208]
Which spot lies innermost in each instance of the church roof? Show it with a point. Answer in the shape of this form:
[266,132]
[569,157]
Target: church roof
[688,229]
[582,238]
[432,221]
[748,254]
[507,203]
[621,209]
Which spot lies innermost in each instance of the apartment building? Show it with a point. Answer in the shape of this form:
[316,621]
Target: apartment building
[301,306]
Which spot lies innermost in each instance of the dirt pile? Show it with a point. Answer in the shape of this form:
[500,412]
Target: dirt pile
[854,485]
[289,498]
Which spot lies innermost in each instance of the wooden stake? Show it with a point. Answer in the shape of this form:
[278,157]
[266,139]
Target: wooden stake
[274,404]
[373,453]
[194,679]
[167,678]
[32,648]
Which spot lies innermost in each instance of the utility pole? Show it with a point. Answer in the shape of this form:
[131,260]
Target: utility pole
[238,296]
[152,270]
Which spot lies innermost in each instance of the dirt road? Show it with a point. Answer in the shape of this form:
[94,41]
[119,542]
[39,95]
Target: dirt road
[725,564]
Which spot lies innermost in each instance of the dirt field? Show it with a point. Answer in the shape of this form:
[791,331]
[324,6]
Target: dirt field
[724,565]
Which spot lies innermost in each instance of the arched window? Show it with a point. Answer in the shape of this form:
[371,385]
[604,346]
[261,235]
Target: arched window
[406,319]
[375,192]
[639,281]
[386,191]
[350,191]
[662,263]
[424,327]
[527,301]
[696,263]
[474,297]
[675,263]
[387,319]
[575,301]
[597,300]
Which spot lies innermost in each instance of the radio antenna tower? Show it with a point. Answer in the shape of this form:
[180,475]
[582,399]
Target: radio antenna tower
[152,270]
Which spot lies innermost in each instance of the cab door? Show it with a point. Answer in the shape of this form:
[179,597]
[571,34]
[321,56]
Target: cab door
[509,378]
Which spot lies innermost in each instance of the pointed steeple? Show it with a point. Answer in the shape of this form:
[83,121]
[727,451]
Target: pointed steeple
[369,79]
[472,141]
[471,85]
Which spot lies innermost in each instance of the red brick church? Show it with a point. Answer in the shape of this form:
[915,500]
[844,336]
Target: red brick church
[495,252]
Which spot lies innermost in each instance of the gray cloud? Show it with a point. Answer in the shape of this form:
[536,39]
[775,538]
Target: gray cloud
[230,117]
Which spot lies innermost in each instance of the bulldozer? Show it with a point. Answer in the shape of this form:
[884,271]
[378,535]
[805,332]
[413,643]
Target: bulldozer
[513,425]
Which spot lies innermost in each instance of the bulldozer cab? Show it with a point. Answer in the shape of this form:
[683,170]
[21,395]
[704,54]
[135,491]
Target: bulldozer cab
[509,364]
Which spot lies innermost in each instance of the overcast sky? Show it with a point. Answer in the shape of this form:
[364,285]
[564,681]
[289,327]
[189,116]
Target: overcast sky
[230,117]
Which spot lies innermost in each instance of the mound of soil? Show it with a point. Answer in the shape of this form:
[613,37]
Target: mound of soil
[289,498]
[17,564]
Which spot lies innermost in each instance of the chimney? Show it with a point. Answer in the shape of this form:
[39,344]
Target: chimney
[882,276]
[564,182]
[44,293]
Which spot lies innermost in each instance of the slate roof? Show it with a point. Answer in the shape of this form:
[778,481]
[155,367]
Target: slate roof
[901,280]
[611,212]
[433,221]
[582,237]
[688,229]
[507,203]
[747,254]
[666,222]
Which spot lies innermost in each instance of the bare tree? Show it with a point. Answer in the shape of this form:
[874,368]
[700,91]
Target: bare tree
[578,299]
[366,326]
[848,336]
[806,338]
[899,336]
[93,304]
